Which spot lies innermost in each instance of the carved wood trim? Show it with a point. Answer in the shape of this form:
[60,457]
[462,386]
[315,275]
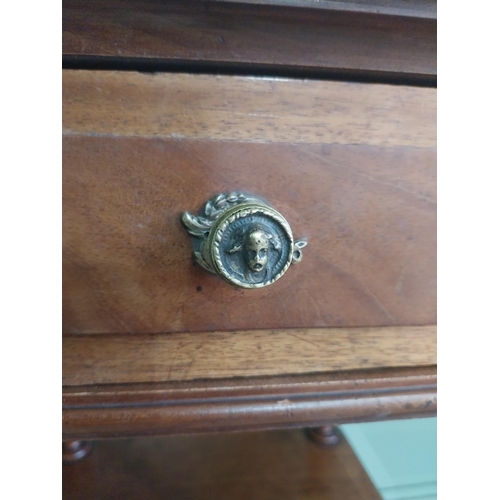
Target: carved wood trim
[254,403]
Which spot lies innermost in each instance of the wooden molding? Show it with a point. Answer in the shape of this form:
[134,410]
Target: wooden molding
[254,403]
[214,381]
[342,37]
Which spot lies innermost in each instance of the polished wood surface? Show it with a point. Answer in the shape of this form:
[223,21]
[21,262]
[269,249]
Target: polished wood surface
[118,359]
[196,406]
[155,345]
[364,198]
[255,466]
[262,38]
[244,109]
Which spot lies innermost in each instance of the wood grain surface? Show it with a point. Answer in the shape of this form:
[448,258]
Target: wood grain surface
[221,405]
[351,167]
[369,214]
[277,465]
[113,359]
[245,109]
[257,36]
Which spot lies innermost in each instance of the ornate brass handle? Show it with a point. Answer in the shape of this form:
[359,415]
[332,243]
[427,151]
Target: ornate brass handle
[243,239]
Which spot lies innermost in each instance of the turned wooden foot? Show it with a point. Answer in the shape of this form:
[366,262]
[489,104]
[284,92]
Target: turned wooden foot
[75,450]
[324,436]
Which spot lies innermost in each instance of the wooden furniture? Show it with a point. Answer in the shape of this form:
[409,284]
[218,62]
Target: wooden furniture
[280,464]
[329,113]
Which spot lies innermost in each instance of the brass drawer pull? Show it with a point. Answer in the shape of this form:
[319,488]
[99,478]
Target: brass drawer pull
[243,239]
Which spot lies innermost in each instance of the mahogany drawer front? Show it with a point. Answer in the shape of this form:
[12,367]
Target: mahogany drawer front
[153,344]
[351,167]
[350,181]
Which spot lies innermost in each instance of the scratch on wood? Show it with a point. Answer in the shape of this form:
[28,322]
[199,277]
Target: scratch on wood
[378,302]
[419,196]
[304,340]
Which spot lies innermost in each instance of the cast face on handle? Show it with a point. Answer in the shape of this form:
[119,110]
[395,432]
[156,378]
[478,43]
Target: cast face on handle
[256,249]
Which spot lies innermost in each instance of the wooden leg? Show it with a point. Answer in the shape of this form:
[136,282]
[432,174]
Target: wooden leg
[324,436]
[75,450]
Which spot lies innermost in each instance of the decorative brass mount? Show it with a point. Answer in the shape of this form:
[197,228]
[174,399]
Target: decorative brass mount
[243,239]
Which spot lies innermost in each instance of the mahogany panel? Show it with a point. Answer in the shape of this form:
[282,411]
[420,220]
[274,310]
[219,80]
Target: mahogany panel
[244,109]
[355,37]
[114,359]
[351,166]
[245,404]
[369,214]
